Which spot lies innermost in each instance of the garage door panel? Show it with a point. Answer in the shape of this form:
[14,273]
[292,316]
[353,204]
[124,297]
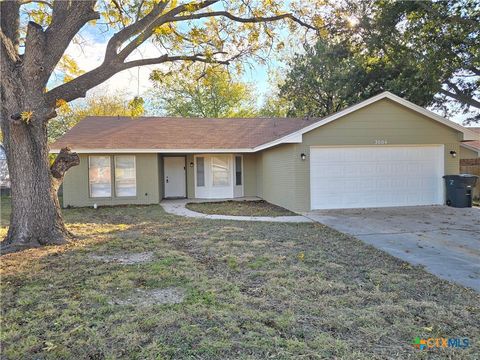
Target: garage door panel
[376,176]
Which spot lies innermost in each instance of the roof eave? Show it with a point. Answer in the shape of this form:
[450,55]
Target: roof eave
[466,146]
[155,151]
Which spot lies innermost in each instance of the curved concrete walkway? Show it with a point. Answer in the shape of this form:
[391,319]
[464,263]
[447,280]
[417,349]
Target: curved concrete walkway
[177,207]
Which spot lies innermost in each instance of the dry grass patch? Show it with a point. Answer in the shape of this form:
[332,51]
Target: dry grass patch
[223,290]
[152,297]
[125,259]
[239,208]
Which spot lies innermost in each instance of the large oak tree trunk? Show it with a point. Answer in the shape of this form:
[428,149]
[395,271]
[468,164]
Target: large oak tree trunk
[35,219]
[36,216]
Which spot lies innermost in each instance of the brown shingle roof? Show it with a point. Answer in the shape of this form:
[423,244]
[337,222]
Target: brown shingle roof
[112,132]
[474,144]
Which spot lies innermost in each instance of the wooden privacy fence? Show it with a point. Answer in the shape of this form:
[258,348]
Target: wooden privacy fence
[472,166]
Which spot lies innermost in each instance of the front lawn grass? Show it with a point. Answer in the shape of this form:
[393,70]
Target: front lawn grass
[250,291]
[239,208]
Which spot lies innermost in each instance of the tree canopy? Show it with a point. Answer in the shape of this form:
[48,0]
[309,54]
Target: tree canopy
[428,53]
[95,105]
[327,78]
[203,92]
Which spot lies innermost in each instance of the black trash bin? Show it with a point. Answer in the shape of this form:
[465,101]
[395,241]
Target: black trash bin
[459,189]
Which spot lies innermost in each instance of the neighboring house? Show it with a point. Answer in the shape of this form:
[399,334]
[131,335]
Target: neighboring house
[382,152]
[4,176]
[471,149]
[470,159]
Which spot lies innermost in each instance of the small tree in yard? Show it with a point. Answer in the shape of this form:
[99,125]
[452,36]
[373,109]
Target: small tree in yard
[208,31]
[97,105]
[204,91]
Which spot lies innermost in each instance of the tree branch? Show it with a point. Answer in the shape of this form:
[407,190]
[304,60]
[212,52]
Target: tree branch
[244,20]
[68,17]
[24,2]
[430,9]
[123,35]
[475,70]
[459,96]
[64,161]
[163,19]
[9,48]
[165,58]
[10,21]
[79,86]
[34,51]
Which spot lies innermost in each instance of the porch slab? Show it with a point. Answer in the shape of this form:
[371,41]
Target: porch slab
[177,207]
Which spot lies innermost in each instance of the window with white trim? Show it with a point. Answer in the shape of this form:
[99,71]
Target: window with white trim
[99,176]
[220,171]
[125,176]
[200,171]
[238,170]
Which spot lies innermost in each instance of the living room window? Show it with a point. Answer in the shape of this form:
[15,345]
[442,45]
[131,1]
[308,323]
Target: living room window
[125,176]
[99,176]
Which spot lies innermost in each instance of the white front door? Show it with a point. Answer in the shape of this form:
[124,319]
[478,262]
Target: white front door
[174,177]
[380,176]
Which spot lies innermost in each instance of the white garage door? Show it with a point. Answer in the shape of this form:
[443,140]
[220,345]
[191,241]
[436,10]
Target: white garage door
[376,176]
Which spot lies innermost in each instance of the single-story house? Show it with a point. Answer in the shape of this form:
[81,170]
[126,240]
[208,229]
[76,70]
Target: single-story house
[384,151]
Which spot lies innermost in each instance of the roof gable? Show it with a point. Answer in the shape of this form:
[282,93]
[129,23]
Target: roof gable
[467,134]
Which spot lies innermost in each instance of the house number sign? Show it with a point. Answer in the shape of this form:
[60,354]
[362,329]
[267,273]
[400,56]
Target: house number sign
[381,142]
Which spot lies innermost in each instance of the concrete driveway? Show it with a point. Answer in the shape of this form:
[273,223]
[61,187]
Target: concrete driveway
[443,239]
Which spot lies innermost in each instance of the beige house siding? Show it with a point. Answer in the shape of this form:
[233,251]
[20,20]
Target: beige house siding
[249,174]
[467,153]
[278,179]
[259,172]
[161,190]
[383,120]
[190,177]
[76,189]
